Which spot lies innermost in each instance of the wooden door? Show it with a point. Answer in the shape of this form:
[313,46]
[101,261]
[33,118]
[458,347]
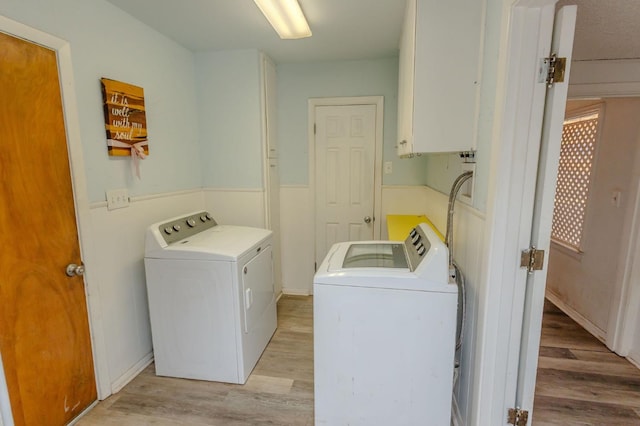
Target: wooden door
[345,159]
[44,339]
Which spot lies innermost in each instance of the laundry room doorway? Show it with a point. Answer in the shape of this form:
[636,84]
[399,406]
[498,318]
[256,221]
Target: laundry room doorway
[47,354]
[345,156]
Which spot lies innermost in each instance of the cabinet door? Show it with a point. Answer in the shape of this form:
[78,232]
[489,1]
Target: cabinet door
[447,53]
[405,81]
[438,81]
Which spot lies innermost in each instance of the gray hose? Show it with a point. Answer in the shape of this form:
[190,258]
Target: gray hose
[457,184]
[459,277]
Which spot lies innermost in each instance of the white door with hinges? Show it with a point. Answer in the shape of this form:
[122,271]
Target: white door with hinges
[543,199]
[345,155]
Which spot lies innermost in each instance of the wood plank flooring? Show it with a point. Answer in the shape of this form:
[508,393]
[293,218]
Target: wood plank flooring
[278,392]
[580,382]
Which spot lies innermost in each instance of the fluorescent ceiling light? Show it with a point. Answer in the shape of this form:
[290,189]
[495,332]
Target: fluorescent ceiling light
[286,17]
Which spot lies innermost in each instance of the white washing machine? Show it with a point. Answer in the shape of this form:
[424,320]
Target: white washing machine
[384,333]
[211,297]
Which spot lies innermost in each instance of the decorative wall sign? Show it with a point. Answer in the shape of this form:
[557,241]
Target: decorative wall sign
[125,120]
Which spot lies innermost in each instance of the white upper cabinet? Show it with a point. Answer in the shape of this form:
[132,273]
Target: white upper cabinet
[438,93]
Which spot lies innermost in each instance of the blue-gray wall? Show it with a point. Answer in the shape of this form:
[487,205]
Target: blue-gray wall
[300,81]
[106,42]
[229,112]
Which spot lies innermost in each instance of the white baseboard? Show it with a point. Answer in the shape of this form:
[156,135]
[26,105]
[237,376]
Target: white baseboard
[633,361]
[131,374]
[81,415]
[577,317]
[295,292]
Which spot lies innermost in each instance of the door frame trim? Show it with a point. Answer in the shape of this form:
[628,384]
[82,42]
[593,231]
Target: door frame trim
[378,101]
[518,115]
[80,195]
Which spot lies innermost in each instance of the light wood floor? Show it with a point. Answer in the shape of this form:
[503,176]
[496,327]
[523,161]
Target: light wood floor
[579,383]
[278,392]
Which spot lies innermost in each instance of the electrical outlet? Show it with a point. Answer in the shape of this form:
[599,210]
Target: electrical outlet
[466,191]
[388,167]
[117,199]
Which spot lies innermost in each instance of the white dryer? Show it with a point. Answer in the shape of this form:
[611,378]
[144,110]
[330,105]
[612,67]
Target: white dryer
[211,297]
[384,333]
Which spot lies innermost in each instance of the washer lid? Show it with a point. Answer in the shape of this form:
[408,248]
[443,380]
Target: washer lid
[376,255]
[340,269]
[222,242]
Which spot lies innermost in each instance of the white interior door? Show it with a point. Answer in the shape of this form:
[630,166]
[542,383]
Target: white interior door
[555,103]
[345,147]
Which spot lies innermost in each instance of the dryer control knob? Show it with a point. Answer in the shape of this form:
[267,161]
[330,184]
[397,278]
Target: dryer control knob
[191,222]
[168,230]
[203,218]
[421,249]
[176,228]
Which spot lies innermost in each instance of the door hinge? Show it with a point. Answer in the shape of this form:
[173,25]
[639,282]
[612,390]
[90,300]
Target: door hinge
[517,417]
[532,259]
[552,70]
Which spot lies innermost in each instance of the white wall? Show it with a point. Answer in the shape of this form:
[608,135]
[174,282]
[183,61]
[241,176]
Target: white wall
[298,227]
[297,230]
[611,78]
[232,206]
[586,283]
[468,226]
[117,276]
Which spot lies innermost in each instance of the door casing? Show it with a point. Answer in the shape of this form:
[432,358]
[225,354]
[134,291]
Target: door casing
[527,27]
[79,187]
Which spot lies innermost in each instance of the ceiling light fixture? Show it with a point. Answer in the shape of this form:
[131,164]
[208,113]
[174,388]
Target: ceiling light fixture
[286,17]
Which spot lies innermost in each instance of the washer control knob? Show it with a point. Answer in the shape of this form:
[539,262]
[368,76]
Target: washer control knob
[203,218]
[415,239]
[421,249]
[191,222]
[168,230]
[209,217]
[413,233]
[176,228]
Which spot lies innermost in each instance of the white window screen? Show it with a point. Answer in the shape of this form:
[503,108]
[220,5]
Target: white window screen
[574,175]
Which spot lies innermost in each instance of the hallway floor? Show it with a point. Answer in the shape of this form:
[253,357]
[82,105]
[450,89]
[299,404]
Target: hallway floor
[581,382]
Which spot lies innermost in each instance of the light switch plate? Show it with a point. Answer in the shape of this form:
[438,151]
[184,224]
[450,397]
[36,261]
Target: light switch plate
[117,199]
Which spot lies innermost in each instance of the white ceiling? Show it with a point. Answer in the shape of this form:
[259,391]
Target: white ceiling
[342,29]
[356,29]
[606,29]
